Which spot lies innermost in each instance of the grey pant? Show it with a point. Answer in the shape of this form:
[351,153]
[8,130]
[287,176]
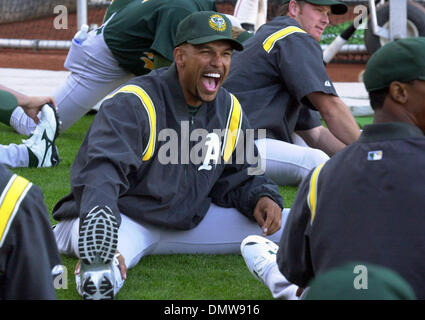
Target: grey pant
[287,163]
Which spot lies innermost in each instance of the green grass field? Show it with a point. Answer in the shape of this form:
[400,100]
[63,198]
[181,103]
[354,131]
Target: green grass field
[175,277]
[332,31]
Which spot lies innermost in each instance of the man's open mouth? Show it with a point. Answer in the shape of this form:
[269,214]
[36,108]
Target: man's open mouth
[211,80]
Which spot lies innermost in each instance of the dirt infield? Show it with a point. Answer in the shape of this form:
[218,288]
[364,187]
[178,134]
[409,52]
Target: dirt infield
[54,60]
[28,59]
[42,28]
[342,72]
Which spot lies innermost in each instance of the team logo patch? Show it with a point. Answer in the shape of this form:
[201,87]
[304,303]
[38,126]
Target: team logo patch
[375,155]
[148,59]
[217,22]
[213,152]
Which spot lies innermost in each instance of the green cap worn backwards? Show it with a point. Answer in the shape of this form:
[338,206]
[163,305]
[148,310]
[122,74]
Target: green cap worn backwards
[205,26]
[337,7]
[402,60]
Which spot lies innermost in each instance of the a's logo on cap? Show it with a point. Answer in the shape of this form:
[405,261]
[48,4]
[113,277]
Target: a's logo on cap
[217,22]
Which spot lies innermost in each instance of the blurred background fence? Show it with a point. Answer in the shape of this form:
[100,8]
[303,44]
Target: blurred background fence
[51,24]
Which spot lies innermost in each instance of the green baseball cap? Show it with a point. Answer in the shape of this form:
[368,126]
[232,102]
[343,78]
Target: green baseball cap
[206,26]
[337,7]
[401,60]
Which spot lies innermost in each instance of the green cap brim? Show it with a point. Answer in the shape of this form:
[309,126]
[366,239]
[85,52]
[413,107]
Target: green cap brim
[235,44]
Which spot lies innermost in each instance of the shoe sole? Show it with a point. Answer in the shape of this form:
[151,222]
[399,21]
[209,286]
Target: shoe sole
[105,292]
[54,157]
[98,237]
[57,121]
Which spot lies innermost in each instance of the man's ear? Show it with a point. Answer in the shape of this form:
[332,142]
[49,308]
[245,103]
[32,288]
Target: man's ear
[293,8]
[398,92]
[178,56]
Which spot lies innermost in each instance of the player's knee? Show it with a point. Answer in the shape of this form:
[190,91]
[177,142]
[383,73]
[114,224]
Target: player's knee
[315,157]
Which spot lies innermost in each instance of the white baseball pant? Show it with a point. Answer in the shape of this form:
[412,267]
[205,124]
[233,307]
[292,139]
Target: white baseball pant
[253,12]
[14,155]
[220,232]
[287,163]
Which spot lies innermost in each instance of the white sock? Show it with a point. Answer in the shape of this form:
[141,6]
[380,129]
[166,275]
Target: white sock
[279,286]
[21,122]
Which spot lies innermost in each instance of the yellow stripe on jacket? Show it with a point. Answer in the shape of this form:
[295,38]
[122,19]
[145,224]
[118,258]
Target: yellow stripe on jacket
[231,136]
[269,43]
[150,109]
[10,199]
[312,193]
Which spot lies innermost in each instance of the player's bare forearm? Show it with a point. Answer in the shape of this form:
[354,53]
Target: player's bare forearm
[30,104]
[337,116]
[321,138]
[22,98]
[342,125]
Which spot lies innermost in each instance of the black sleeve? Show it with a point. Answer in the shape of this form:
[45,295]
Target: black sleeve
[112,150]
[293,256]
[307,119]
[240,186]
[29,252]
[300,61]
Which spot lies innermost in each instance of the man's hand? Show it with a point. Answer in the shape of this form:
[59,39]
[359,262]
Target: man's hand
[121,265]
[299,292]
[30,104]
[268,215]
[33,104]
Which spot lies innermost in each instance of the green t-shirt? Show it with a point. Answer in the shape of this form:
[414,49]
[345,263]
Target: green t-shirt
[140,30]
[8,103]
[114,7]
[192,110]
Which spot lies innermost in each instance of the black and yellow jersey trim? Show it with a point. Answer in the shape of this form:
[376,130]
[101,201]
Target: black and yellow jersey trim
[312,193]
[151,112]
[233,128]
[271,40]
[10,200]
